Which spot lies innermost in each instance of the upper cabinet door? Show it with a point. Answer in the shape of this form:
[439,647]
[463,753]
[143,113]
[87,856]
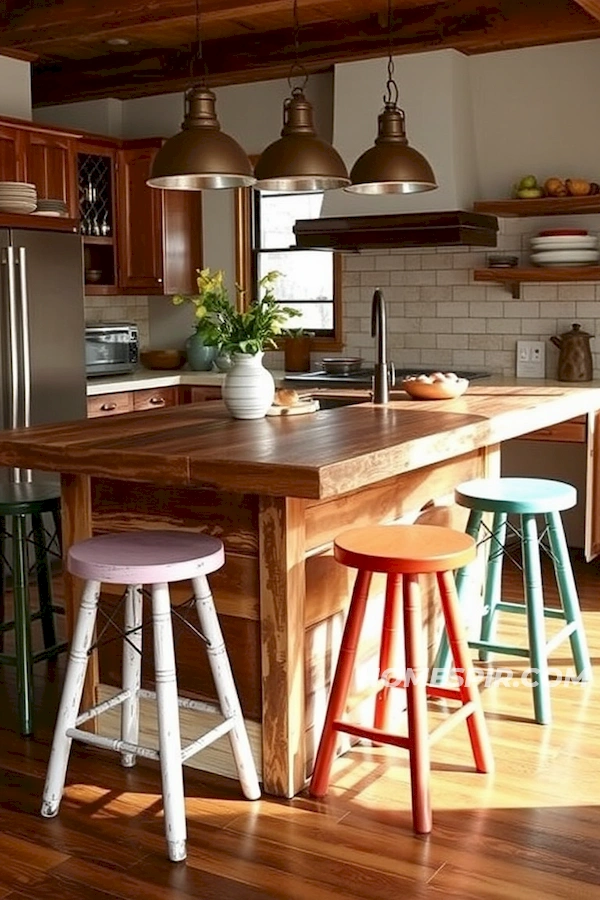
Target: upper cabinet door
[50,164]
[12,154]
[140,222]
[159,232]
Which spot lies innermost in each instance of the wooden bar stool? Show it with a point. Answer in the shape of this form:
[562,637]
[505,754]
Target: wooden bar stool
[21,510]
[525,498]
[403,553]
[153,558]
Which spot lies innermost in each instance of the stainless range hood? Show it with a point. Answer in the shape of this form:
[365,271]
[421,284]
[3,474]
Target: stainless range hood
[433,229]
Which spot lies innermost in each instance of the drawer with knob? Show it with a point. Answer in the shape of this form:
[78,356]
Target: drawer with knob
[110,404]
[155,398]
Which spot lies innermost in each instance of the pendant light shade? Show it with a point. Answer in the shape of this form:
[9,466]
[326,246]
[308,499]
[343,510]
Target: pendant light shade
[391,166]
[200,156]
[300,160]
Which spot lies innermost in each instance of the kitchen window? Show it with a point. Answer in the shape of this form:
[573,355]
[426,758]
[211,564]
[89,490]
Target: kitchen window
[310,279]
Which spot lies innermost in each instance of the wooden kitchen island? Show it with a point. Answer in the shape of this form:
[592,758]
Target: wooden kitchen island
[277,491]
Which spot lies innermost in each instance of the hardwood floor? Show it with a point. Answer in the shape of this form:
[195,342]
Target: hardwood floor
[529,831]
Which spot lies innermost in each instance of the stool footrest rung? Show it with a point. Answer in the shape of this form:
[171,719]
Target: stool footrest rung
[448,693]
[371,734]
[98,740]
[184,702]
[50,651]
[550,612]
[558,638]
[208,738]
[500,648]
[456,716]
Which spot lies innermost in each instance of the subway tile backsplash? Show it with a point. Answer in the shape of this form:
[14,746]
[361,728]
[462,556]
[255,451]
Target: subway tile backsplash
[439,316]
[120,309]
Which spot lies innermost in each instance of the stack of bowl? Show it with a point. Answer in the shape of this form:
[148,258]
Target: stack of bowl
[50,207]
[17,197]
[565,247]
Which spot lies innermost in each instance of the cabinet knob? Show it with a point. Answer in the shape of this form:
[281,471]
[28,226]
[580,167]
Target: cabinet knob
[157,401]
[159,280]
[108,407]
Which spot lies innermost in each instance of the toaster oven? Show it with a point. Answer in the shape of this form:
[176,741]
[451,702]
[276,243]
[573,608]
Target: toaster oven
[111,348]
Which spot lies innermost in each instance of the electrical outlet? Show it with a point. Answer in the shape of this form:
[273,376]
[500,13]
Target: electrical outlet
[531,359]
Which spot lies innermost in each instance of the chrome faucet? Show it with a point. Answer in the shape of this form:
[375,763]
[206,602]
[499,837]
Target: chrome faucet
[383,377]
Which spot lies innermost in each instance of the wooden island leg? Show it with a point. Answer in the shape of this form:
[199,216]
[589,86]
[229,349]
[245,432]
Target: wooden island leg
[282,599]
[76,516]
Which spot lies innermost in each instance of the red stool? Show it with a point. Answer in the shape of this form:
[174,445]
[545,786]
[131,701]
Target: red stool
[403,552]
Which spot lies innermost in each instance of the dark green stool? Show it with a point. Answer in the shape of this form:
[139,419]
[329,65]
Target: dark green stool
[526,499]
[21,503]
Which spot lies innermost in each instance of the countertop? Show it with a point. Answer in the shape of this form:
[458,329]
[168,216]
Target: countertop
[322,455]
[147,378]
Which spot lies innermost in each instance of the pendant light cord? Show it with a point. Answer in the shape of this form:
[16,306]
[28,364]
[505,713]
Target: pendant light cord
[391,98]
[297,69]
[197,54]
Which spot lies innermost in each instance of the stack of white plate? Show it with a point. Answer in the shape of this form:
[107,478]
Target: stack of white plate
[565,250]
[51,208]
[17,197]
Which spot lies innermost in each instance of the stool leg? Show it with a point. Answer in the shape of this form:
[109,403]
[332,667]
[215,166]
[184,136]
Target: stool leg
[534,601]
[388,654]
[226,689]
[132,670]
[44,581]
[416,697]
[70,699]
[478,734]
[341,683]
[168,723]
[441,665]
[22,618]
[493,581]
[568,595]
[2,547]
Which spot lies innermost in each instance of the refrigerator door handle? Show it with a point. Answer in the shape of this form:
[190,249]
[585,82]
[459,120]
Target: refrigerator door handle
[13,340]
[25,348]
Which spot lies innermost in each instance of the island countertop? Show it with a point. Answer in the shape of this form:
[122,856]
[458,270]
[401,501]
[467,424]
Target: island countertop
[313,456]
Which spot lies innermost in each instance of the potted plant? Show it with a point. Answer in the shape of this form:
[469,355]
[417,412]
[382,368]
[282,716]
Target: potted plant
[245,334]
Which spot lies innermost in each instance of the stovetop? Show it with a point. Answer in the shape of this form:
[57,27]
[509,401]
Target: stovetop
[365,376]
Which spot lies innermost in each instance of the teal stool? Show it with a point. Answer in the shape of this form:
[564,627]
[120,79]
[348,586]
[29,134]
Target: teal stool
[21,508]
[525,498]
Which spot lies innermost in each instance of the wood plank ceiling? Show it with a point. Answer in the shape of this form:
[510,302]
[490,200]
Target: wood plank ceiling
[82,50]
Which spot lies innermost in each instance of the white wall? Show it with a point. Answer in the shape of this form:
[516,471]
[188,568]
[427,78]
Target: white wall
[15,88]
[536,111]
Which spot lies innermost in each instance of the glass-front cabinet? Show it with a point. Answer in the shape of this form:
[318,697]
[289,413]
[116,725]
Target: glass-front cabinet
[97,215]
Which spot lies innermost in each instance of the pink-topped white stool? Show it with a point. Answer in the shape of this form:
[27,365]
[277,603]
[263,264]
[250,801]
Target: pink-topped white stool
[153,558]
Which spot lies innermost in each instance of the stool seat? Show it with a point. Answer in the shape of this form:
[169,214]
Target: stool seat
[404,548]
[27,498]
[153,558]
[516,495]
[146,557]
[404,553]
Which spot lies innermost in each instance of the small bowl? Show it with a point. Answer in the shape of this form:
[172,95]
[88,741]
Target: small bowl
[93,276]
[436,390]
[162,359]
[341,365]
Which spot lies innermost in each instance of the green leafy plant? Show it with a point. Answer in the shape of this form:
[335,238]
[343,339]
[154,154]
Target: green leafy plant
[221,325]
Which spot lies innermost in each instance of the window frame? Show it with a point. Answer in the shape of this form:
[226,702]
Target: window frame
[246,266]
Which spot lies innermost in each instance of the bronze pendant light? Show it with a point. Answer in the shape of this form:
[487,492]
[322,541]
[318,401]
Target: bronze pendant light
[391,166]
[299,160]
[200,156]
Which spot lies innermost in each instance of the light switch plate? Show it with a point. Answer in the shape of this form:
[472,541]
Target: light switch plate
[531,359]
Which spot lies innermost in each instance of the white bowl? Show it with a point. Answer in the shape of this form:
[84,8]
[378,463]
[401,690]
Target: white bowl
[436,390]
[566,242]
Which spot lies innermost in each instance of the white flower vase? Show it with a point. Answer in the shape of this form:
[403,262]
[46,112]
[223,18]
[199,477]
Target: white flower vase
[248,389]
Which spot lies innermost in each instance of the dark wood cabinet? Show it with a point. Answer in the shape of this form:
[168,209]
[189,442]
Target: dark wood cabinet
[96,180]
[160,241]
[12,154]
[50,165]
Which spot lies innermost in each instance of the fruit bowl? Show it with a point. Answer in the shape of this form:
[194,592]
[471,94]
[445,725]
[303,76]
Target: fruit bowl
[449,389]
[162,359]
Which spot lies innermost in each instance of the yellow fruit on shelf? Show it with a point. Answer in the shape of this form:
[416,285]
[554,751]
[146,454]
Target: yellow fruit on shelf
[578,187]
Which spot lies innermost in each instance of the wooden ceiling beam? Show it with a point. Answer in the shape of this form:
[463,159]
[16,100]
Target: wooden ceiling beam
[505,24]
[590,6]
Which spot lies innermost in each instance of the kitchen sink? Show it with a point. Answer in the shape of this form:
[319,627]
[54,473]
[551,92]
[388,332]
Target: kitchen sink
[334,402]
[364,377]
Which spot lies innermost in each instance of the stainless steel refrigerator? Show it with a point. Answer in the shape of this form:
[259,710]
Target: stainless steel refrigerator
[42,345]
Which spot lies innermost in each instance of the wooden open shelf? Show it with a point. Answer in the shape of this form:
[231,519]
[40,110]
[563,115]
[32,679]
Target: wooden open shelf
[545,206]
[513,278]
